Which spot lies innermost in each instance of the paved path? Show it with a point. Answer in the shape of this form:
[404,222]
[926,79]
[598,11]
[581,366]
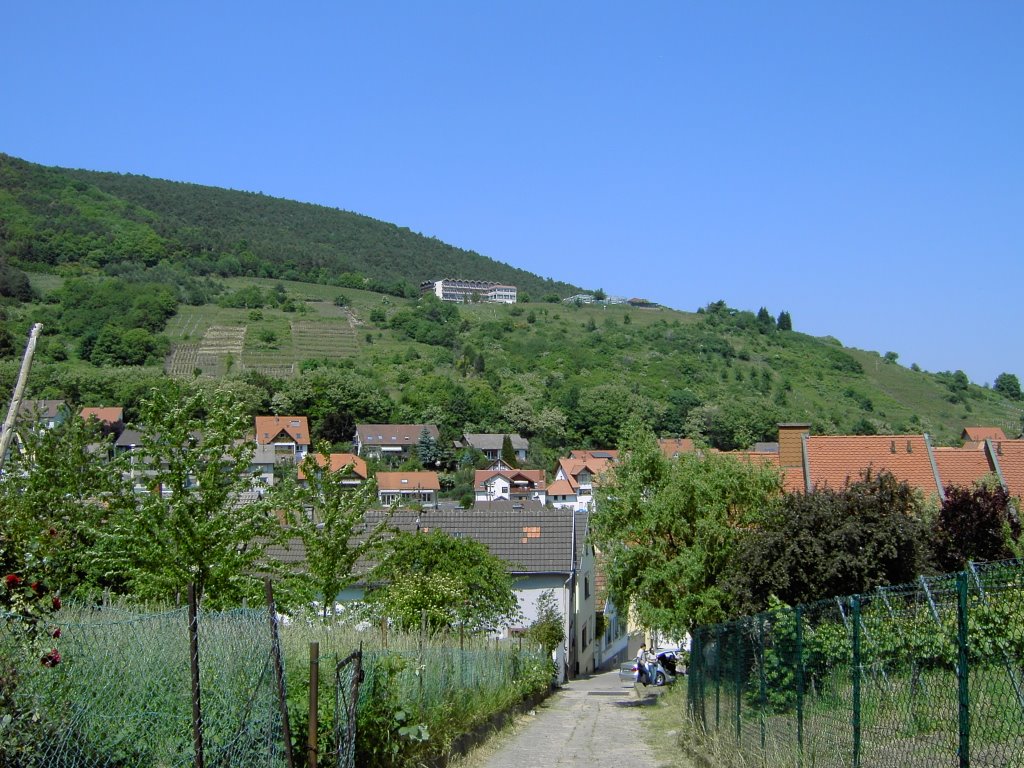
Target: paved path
[589,723]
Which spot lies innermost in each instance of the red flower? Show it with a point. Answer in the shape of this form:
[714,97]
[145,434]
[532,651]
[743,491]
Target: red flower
[52,659]
[56,633]
[37,587]
[56,603]
[12,580]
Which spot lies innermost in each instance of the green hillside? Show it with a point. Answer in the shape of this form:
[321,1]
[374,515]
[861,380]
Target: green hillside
[92,265]
[54,217]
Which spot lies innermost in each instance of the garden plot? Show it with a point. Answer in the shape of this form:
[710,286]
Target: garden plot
[317,339]
[214,355]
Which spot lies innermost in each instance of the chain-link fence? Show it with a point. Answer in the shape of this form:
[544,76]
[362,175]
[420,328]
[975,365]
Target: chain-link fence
[122,693]
[924,674]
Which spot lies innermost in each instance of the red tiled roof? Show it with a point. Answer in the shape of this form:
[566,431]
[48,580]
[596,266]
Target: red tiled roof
[338,461]
[407,481]
[104,415]
[1010,457]
[673,446]
[561,488]
[962,466]
[269,427]
[836,461]
[979,434]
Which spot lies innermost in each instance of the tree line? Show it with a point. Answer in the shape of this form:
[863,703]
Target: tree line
[700,539]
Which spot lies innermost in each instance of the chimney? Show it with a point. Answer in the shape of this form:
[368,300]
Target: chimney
[791,452]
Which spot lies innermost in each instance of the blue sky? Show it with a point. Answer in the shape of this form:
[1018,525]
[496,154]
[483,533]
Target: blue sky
[860,165]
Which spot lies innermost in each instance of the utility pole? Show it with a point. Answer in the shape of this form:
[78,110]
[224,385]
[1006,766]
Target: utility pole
[19,390]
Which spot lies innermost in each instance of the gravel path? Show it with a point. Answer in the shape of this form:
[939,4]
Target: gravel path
[589,723]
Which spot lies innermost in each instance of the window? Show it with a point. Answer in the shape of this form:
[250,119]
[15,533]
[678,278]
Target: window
[586,587]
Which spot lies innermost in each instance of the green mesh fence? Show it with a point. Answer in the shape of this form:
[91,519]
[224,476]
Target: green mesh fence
[348,676]
[924,674]
[122,694]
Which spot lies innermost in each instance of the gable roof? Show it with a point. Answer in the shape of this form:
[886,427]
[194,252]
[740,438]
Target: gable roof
[962,466]
[110,415]
[393,434]
[673,446]
[1009,456]
[561,488]
[533,477]
[836,461]
[529,541]
[41,409]
[269,427]
[979,434]
[494,441]
[337,462]
[407,481]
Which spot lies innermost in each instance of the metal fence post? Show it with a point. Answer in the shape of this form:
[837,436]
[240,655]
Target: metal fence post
[718,675]
[312,745]
[738,679]
[275,652]
[855,675]
[193,652]
[963,671]
[799,653]
[762,693]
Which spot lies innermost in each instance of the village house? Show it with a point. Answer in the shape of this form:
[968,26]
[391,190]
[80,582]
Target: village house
[491,444]
[407,488]
[396,441]
[289,436]
[576,476]
[346,469]
[545,550]
[501,482]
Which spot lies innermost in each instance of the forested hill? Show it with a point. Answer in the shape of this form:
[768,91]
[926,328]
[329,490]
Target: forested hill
[53,216]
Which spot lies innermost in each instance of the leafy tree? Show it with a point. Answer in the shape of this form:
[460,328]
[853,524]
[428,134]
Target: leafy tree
[667,528]
[427,449]
[452,582]
[192,523]
[976,523]
[508,453]
[548,629]
[55,492]
[765,322]
[831,542]
[785,322]
[331,520]
[1008,385]
[337,427]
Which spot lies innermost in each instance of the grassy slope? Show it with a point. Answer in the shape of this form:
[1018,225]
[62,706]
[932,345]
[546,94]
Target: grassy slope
[558,341]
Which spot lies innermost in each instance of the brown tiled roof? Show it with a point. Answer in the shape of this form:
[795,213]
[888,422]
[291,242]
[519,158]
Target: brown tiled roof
[836,461]
[269,427]
[597,462]
[561,488]
[104,415]
[962,466]
[338,461]
[1009,454]
[393,434]
[407,481]
[979,434]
